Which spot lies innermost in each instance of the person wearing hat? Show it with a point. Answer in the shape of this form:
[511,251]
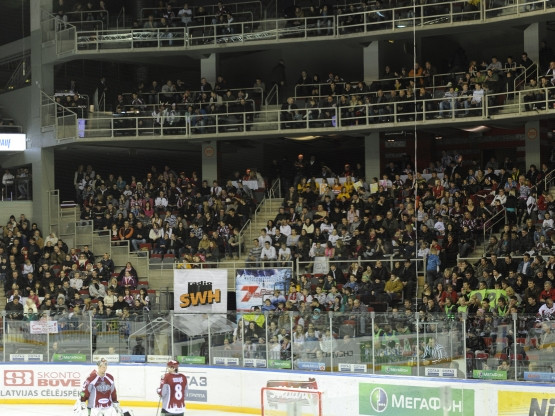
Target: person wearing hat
[172,390]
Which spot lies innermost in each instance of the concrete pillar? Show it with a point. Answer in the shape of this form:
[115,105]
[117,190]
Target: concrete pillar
[372,155]
[532,145]
[371,62]
[210,161]
[532,37]
[209,68]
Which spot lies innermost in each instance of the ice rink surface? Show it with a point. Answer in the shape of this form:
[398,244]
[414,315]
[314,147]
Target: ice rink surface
[57,410]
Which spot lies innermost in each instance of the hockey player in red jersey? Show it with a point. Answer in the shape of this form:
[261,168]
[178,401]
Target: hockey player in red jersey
[99,390]
[172,390]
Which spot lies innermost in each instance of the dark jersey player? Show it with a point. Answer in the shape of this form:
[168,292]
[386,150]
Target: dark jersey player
[172,390]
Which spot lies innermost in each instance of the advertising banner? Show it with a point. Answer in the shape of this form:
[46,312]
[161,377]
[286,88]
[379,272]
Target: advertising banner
[539,376]
[253,286]
[398,400]
[440,372]
[191,359]
[26,382]
[70,358]
[396,369]
[517,403]
[489,374]
[43,327]
[200,291]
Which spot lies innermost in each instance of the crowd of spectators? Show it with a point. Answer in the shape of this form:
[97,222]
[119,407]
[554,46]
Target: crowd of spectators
[402,95]
[363,228]
[173,106]
[348,16]
[16,186]
[168,212]
[8,126]
[360,226]
[42,277]
[408,95]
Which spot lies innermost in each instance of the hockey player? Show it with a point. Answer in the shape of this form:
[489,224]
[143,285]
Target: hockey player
[99,390]
[172,390]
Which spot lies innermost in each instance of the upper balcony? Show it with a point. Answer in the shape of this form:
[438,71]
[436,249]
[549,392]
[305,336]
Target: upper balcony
[252,118]
[87,39]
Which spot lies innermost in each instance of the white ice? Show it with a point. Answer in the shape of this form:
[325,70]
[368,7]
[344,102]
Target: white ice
[58,410]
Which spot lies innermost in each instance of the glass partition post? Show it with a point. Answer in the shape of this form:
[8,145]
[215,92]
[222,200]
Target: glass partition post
[4,336]
[91,333]
[172,335]
[48,342]
[243,341]
[330,315]
[515,342]
[291,341]
[417,343]
[210,340]
[464,316]
[373,318]
[266,316]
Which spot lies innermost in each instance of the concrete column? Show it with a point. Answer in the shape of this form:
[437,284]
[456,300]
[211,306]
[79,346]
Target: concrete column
[209,67]
[532,145]
[532,37]
[372,155]
[371,62]
[210,161]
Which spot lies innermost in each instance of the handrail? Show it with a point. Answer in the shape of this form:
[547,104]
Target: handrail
[276,186]
[61,118]
[545,181]
[242,233]
[81,25]
[493,221]
[21,75]
[156,10]
[122,11]
[85,12]
[273,93]
[359,23]
[339,115]
[159,97]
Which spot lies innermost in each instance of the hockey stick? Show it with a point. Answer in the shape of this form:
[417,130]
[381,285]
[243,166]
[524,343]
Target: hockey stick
[158,408]
[160,399]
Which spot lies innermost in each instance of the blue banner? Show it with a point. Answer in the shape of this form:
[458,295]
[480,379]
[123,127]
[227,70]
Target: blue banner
[253,286]
[132,358]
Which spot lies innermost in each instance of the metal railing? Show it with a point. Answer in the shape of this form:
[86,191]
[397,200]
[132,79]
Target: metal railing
[371,19]
[66,34]
[234,8]
[253,95]
[21,75]
[441,344]
[331,117]
[492,223]
[63,120]
[81,18]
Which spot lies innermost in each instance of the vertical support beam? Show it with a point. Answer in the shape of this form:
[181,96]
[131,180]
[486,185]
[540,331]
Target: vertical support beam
[371,62]
[372,155]
[532,41]
[532,146]
[209,68]
[210,161]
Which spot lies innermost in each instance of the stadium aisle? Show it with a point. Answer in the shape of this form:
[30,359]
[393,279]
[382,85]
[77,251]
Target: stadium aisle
[57,410]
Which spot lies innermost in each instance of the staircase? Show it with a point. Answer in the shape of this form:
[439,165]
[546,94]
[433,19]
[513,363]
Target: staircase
[267,211]
[267,119]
